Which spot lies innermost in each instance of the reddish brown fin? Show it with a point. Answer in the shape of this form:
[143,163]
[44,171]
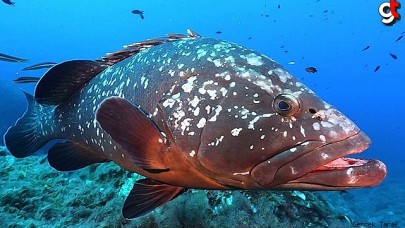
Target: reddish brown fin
[139,136]
[146,195]
[62,80]
[68,156]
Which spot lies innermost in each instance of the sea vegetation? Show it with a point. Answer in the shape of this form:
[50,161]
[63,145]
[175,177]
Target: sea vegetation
[35,195]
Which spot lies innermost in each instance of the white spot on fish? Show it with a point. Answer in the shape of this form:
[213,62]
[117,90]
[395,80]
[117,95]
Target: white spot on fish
[349,171]
[322,138]
[302,131]
[252,122]
[244,173]
[293,170]
[192,153]
[187,87]
[201,123]
[316,126]
[236,131]
[326,124]
[196,111]
[217,110]
[253,59]
[195,101]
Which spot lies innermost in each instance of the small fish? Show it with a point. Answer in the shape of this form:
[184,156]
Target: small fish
[393,56]
[279,6]
[218,32]
[26,79]
[291,63]
[249,38]
[399,38]
[311,70]
[367,47]
[8,58]
[376,68]
[139,12]
[8,2]
[40,66]
[178,121]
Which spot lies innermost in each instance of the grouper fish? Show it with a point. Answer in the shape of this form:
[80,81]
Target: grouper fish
[187,111]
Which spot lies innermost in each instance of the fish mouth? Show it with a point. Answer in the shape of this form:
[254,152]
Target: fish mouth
[312,166]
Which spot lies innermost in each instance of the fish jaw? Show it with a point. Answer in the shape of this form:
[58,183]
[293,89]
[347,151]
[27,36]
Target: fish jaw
[323,168]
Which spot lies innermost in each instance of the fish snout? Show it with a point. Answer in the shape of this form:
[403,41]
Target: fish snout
[316,166]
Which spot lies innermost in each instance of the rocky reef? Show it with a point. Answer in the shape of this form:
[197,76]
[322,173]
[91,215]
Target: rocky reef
[35,195]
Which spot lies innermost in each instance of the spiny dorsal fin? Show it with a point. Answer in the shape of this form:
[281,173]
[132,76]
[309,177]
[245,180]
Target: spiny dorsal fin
[133,49]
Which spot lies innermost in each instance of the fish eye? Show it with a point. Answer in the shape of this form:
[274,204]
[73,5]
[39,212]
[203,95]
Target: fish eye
[286,104]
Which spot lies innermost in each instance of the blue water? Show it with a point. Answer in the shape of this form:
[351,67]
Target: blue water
[331,41]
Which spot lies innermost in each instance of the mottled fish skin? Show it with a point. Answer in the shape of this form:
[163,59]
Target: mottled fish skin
[224,110]
[217,98]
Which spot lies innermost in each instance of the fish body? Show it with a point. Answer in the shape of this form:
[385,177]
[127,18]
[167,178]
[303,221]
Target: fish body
[40,66]
[9,58]
[311,70]
[139,12]
[8,2]
[26,79]
[194,112]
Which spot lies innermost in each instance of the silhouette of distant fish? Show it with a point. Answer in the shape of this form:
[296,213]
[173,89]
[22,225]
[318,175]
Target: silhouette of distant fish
[8,58]
[399,38]
[311,70]
[366,48]
[376,68]
[393,56]
[139,12]
[40,66]
[8,2]
[27,79]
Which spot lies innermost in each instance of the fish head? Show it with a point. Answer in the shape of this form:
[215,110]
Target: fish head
[269,130]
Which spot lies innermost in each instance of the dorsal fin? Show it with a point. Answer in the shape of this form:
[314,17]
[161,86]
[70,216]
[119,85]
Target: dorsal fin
[58,84]
[133,49]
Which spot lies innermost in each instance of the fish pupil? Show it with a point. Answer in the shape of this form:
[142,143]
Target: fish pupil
[284,106]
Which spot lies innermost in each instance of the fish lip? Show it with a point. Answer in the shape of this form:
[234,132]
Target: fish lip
[354,144]
[297,168]
[340,172]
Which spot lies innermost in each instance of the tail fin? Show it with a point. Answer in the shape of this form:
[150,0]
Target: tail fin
[30,132]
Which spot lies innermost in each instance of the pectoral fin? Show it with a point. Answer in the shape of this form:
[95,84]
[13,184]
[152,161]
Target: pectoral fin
[138,135]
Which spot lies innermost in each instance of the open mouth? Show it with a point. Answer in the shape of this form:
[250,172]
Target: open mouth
[321,167]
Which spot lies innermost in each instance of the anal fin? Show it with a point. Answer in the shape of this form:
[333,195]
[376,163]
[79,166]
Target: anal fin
[148,194]
[68,156]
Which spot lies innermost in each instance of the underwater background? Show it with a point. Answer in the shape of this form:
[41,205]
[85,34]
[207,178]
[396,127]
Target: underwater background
[328,35]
